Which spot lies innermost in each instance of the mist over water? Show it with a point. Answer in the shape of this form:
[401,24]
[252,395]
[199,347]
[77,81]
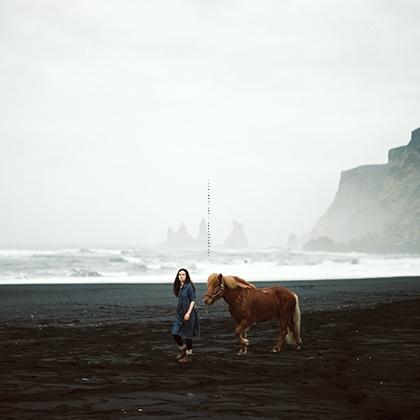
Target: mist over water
[111,127]
[139,266]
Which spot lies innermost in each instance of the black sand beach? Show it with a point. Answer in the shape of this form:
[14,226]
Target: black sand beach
[105,352]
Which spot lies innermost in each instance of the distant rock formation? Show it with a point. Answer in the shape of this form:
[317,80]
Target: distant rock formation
[178,239]
[237,238]
[181,239]
[292,241]
[324,243]
[377,207]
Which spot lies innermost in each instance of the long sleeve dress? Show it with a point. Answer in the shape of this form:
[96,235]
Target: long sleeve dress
[191,328]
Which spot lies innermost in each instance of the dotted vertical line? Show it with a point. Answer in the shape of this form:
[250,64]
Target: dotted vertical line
[208,220]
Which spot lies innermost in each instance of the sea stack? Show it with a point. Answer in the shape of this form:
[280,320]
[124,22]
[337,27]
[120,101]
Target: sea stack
[237,238]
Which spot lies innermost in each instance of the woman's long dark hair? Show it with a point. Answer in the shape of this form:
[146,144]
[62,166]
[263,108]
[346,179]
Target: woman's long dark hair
[177,283]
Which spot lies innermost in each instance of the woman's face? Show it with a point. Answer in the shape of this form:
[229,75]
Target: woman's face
[182,275]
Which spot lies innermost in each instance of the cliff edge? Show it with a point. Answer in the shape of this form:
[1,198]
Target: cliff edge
[377,207]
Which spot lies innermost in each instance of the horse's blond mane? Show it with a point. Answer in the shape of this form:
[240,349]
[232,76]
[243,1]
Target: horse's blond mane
[232,282]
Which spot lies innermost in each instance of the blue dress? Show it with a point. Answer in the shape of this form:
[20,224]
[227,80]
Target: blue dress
[191,328]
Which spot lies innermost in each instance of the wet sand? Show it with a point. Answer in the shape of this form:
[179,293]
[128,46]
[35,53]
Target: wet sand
[356,363]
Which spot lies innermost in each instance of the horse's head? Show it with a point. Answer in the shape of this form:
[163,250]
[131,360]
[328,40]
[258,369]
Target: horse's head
[215,288]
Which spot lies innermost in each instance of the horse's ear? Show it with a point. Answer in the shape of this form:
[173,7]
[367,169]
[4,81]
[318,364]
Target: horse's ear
[220,277]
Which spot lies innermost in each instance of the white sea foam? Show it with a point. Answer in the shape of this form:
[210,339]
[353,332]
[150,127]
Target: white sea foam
[19,253]
[137,266]
[133,260]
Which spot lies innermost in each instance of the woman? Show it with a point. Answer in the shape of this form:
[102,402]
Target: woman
[186,325]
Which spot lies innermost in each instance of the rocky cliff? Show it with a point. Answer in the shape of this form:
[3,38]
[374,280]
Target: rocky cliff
[377,207]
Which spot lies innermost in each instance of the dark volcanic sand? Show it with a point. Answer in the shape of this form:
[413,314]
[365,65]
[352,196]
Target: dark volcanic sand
[358,363]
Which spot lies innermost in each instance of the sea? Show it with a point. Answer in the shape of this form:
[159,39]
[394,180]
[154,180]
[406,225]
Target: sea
[121,266]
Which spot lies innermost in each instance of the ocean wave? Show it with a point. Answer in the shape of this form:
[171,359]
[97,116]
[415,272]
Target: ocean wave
[22,253]
[171,266]
[137,266]
[100,251]
[133,260]
[42,253]
[117,260]
[137,262]
[113,274]
[79,272]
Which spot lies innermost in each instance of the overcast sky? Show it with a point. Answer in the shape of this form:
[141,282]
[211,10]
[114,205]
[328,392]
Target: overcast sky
[115,114]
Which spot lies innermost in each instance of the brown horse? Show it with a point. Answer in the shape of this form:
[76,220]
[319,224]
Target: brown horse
[247,305]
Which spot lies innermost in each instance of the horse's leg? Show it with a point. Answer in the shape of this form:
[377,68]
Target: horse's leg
[240,331]
[296,342]
[283,322]
[245,339]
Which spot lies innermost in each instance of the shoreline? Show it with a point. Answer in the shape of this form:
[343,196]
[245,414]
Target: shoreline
[91,304]
[124,280]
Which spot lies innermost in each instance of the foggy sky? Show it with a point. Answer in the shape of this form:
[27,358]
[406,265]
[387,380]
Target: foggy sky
[115,114]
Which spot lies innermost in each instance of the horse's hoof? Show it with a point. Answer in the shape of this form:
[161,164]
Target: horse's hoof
[242,352]
[275,350]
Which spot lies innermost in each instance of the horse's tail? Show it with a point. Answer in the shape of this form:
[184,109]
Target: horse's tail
[293,337]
